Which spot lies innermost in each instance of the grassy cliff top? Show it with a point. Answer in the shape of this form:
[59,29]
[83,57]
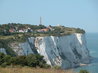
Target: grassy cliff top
[37,30]
[19,32]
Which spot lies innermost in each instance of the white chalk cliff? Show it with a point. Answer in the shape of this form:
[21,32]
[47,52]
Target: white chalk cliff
[65,51]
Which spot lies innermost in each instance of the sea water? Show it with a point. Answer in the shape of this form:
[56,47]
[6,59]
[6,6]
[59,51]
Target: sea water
[92,44]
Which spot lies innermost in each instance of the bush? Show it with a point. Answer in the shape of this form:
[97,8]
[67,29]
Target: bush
[56,67]
[31,60]
[83,71]
[1,58]
[4,64]
[7,59]
[20,60]
[4,44]
[35,60]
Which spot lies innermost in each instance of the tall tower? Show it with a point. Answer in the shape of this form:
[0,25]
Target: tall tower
[40,21]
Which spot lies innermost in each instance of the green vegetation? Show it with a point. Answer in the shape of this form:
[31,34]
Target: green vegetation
[35,61]
[4,44]
[31,60]
[17,28]
[6,40]
[83,71]
[62,30]
[56,67]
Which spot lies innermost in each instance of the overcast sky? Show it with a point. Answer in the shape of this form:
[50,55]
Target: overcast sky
[71,13]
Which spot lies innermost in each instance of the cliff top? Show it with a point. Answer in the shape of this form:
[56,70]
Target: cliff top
[37,30]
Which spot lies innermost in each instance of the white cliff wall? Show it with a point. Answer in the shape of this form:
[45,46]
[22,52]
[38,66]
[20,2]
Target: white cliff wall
[2,50]
[65,51]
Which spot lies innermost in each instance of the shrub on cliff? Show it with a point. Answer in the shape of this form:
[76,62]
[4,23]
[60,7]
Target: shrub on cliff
[83,71]
[1,58]
[20,60]
[31,60]
[35,60]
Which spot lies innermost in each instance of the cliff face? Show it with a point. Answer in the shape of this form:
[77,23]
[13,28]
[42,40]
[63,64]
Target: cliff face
[65,51]
[3,50]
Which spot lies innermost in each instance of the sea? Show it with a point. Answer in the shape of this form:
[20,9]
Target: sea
[92,44]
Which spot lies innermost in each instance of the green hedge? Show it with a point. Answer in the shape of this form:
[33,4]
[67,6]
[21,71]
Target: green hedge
[31,60]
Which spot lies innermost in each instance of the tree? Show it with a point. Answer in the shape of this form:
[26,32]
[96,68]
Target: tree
[34,60]
[6,59]
[31,60]
[21,60]
[1,58]
[13,61]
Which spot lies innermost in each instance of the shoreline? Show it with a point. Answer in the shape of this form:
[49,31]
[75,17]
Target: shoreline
[82,64]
